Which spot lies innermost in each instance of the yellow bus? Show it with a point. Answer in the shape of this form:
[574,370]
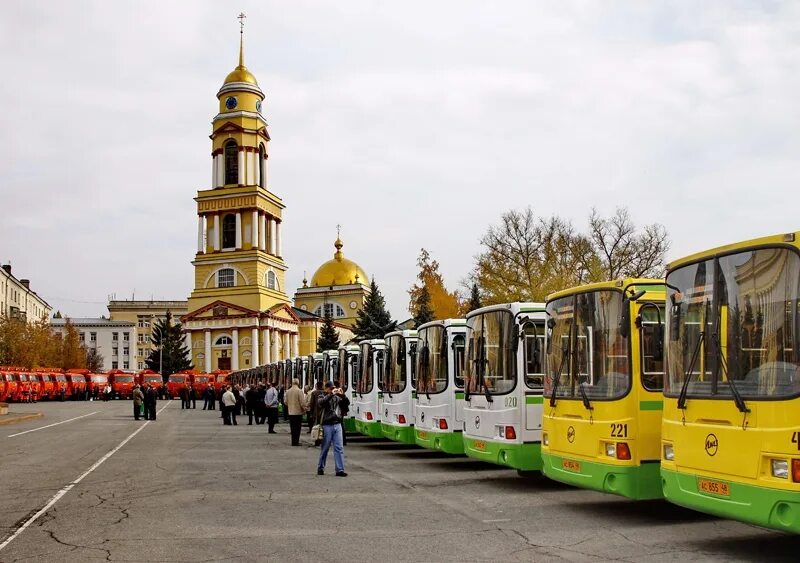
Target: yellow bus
[731,423]
[601,420]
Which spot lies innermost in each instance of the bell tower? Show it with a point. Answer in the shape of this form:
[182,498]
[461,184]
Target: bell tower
[239,255]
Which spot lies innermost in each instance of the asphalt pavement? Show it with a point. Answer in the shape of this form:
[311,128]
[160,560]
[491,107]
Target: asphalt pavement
[88,483]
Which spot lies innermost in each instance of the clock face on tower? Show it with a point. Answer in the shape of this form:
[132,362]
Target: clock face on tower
[230,102]
[258,106]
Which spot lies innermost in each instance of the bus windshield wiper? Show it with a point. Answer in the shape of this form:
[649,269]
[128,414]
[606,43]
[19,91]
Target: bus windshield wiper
[737,397]
[690,371]
[586,403]
[557,376]
[486,392]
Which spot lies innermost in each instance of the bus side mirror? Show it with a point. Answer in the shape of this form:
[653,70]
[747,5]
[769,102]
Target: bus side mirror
[625,318]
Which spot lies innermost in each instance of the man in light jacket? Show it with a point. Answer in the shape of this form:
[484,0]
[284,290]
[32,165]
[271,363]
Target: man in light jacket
[228,407]
[296,405]
[271,402]
[138,401]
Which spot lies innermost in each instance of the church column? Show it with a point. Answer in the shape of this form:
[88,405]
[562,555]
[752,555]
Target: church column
[235,350]
[287,347]
[208,351]
[254,225]
[264,174]
[200,233]
[272,236]
[278,251]
[213,170]
[262,232]
[217,234]
[275,351]
[220,170]
[295,344]
[254,349]
[257,161]
[238,230]
[241,166]
[265,346]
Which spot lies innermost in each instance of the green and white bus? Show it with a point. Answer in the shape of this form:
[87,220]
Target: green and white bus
[504,378]
[316,368]
[369,395]
[330,365]
[399,386]
[348,364]
[439,419]
[301,371]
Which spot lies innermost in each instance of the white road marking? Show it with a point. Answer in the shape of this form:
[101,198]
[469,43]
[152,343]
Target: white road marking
[69,487]
[54,424]
[497,520]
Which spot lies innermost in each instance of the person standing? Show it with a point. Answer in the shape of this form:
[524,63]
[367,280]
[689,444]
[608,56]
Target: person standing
[250,404]
[228,404]
[311,406]
[192,397]
[330,406]
[184,395]
[271,404]
[345,412]
[107,392]
[261,408]
[282,401]
[296,406]
[150,398]
[138,402]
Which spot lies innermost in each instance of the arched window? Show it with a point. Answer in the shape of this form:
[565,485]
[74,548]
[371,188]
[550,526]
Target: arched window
[231,162]
[229,231]
[226,277]
[272,280]
[223,341]
[262,162]
[330,309]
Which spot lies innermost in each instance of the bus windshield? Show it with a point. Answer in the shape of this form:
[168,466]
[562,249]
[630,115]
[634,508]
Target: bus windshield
[432,360]
[366,378]
[585,347]
[61,377]
[738,316]
[395,376]
[123,378]
[490,365]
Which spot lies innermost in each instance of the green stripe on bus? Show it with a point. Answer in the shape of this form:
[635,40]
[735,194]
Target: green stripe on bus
[651,405]
[460,395]
[413,394]
[533,400]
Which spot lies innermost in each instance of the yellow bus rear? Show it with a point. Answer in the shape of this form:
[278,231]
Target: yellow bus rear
[731,424]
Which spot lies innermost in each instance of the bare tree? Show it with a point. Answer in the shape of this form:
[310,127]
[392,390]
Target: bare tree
[620,251]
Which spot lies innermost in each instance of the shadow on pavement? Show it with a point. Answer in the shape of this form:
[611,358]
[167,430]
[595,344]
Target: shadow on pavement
[764,546]
[643,512]
[526,484]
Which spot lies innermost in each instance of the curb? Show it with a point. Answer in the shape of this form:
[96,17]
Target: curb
[19,418]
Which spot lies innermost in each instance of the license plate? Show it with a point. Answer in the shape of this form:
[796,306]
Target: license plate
[423,435]
[478,445]
[570,465]
[713,487]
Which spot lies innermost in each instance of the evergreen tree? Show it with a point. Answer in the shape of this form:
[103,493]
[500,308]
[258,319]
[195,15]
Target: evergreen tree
[170,353]
[373,320]
[328,336]
[474,298]
[422,307]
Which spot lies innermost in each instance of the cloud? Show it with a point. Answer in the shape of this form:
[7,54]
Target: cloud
[413,125]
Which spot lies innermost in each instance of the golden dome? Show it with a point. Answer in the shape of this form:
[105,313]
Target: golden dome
[240,73]
[339,271]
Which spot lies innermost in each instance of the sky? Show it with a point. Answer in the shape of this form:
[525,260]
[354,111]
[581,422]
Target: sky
[412,124]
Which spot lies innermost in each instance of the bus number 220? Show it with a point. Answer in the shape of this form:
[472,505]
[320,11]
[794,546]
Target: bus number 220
[619,430]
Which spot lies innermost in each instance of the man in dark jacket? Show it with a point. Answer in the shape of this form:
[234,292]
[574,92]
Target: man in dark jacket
[150,397]
[192,397]
[330,406]
[250,398]
[184,394]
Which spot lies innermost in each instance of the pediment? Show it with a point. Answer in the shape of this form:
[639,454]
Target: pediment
[283,311]
[219,309]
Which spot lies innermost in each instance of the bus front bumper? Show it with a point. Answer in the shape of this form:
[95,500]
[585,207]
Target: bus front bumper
[523,457]
[349,424]
[371,429]
[402,434]
[778,509]
[637,482]
[447,442]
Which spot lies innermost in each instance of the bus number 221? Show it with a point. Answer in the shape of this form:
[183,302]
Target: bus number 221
[619,430]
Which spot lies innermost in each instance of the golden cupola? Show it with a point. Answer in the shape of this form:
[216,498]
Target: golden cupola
[240,79]
[339,271]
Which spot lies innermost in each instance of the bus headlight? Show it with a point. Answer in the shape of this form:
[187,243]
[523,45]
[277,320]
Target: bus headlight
[780,468]
[669,453]
[545,439]
[611,449]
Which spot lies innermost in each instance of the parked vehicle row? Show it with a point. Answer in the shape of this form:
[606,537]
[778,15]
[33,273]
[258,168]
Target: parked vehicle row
[685,388]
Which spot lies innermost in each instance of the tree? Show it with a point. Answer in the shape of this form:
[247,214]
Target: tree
[373,320]
[73,354]
[621,252]
[424,313]
[328,335]
[474,301]
[170,353]
[443,304]
[94,360]
[35,344]
[57,315]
